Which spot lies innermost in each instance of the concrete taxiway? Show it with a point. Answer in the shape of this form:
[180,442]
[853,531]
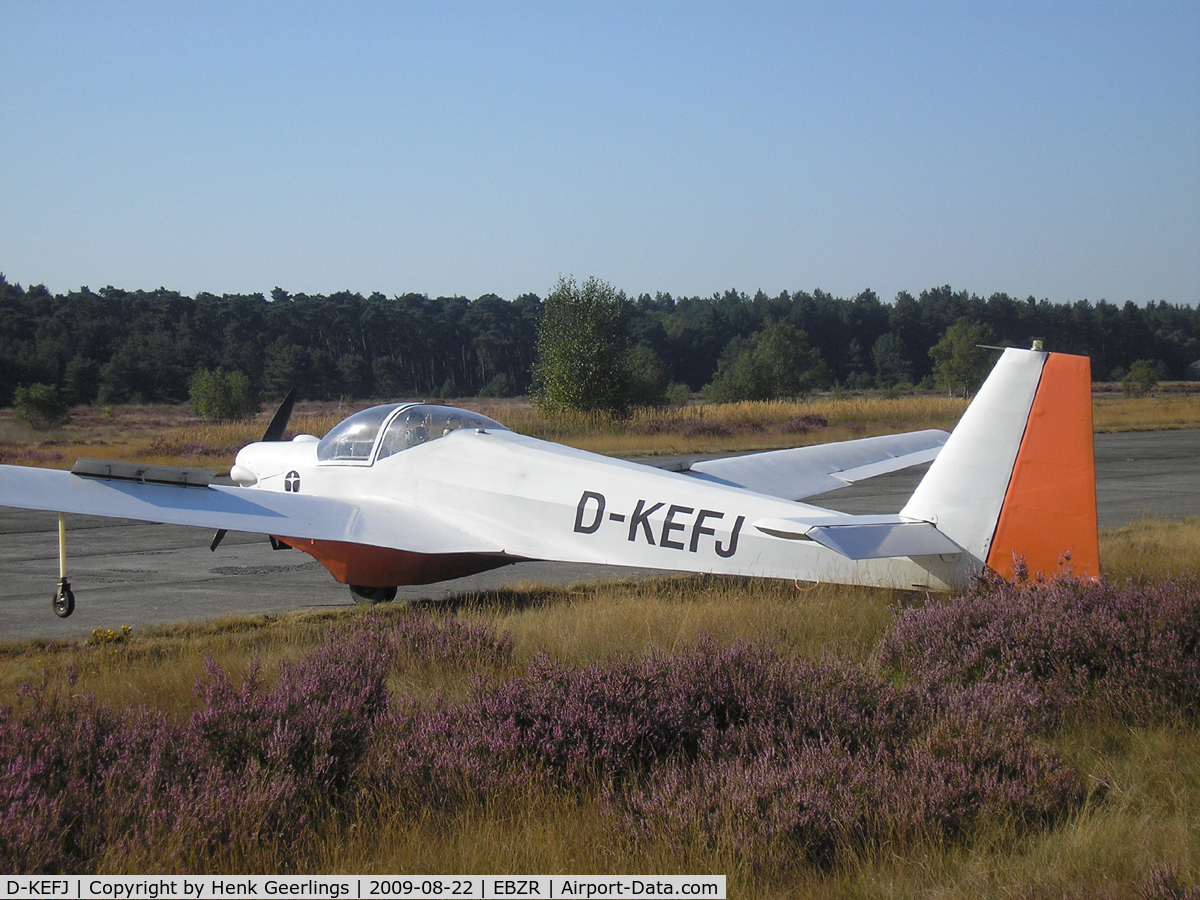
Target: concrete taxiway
[139,574]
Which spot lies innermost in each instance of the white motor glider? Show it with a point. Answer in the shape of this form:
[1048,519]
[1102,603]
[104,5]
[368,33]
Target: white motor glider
[414,493]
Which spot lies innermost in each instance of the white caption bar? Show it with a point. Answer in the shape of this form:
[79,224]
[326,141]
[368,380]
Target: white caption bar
[339,887]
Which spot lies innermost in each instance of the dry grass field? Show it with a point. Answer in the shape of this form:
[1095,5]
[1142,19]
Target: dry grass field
[171,435]
[1174,410]
[1129,826]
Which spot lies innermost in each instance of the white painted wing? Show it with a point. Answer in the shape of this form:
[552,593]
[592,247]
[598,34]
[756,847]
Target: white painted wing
[806,471]
[375,521]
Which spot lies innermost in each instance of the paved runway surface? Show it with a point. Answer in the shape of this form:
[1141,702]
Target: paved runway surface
[138,574]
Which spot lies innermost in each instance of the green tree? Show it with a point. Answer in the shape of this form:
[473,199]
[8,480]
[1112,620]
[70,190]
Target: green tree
[648,378]
[389,379]
[777,363]
[959,362]
[355,376]
[221,396]
[286,366]
[81,379]
[582,350]
[502,385]
[40,407]
[1141,380]
[891,365]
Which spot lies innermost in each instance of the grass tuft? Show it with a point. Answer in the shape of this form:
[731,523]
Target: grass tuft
[1151,549]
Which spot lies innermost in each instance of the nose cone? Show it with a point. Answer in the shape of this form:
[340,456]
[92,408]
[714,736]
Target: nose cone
[261,464]
[243,475]
[254,462]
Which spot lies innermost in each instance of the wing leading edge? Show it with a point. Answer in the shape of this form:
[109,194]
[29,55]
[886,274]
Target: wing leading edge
[376,522]
[807,471]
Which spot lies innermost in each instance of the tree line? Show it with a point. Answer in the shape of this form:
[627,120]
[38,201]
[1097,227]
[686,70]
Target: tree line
[117,346]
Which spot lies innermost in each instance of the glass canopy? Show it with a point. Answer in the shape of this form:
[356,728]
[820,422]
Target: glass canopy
[353,439]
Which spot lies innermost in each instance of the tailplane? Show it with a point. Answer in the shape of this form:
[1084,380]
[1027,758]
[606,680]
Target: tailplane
[1017,478]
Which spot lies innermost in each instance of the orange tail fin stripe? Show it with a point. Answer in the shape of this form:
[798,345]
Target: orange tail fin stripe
[1050,505]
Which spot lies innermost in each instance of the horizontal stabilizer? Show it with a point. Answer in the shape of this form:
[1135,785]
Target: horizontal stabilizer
[865,537]
[806,471]
[883,541]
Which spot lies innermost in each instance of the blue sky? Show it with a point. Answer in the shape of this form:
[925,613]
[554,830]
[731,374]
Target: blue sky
[1050,149]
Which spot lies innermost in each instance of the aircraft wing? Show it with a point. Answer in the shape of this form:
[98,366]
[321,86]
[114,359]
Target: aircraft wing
[375,521]
[806,471]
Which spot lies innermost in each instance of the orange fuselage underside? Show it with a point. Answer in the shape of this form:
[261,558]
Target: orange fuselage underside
[359,564]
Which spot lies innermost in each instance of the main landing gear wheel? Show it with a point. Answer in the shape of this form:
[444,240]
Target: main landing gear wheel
[369,596]
[63,600]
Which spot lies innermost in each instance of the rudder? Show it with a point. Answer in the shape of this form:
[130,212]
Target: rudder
[1017,477]
[1049,509]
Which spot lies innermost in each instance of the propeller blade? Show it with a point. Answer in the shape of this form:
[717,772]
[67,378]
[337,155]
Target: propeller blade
[279,424]
[274,432]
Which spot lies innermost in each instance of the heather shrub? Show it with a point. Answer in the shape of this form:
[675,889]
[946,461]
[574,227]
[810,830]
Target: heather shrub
[743,748]
[79,782]
[52,757]
[313,725]
[1164,883]
[1129,650]
[607,722]
[786,759]
[182,447]
[699,428]
[804,423]
[856,765]
[420,638]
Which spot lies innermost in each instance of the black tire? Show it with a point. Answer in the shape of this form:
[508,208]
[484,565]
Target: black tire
[63,601]
[369,596]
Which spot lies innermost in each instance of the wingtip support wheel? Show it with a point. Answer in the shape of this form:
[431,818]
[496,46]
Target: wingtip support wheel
[64,600]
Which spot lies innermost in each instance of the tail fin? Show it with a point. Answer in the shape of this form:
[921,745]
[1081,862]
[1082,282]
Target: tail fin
[1017,479]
